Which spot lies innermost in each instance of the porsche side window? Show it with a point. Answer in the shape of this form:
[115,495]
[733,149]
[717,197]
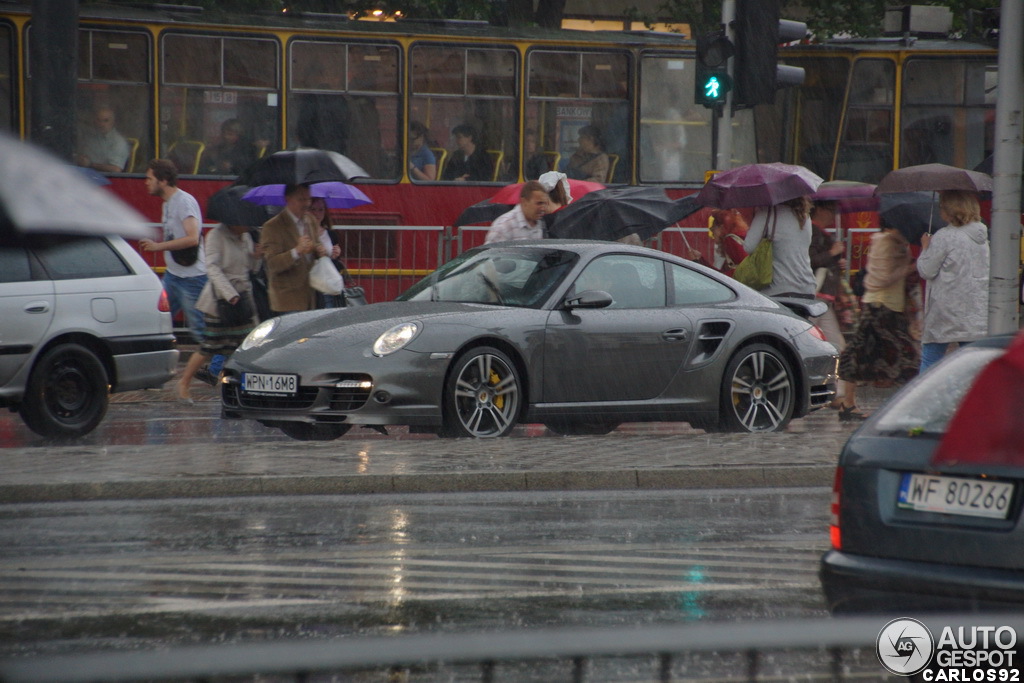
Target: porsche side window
[690,288]
[633,281]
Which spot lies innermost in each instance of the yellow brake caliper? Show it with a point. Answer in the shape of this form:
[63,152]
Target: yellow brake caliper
[499,401]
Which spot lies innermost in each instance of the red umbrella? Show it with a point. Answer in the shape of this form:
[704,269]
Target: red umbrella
[510,193]
[758,185]
[987,427]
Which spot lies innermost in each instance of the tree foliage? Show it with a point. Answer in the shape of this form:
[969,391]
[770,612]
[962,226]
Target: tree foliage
[823,17]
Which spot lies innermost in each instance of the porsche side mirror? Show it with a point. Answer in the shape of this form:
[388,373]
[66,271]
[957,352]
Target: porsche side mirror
[592,298]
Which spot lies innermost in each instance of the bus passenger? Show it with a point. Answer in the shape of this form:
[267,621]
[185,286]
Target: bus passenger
[589,161]
[422,163]
[233,154]
[102,147]
[537,163]
[469,162]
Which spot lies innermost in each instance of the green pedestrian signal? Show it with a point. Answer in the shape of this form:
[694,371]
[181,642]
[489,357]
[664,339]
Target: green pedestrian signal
[711,80]
[716,87]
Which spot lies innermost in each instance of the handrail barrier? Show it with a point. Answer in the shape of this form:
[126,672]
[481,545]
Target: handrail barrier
[822,649]
[387,259]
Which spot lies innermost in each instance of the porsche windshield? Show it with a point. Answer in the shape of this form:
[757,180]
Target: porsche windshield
[503,276]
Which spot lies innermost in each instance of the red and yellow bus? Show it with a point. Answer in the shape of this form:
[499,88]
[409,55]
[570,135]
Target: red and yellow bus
[174,77]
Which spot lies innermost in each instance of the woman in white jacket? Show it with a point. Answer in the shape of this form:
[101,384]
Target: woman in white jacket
[955,264]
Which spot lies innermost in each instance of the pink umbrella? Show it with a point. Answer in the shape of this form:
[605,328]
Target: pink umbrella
[510,193]
[850,195]
[758,185]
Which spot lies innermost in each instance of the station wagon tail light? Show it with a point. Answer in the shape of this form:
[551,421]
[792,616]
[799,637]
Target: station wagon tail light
[833,529]
[163,305]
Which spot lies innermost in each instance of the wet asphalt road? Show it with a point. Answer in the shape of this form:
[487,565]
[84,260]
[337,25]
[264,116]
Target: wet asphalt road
[136,574]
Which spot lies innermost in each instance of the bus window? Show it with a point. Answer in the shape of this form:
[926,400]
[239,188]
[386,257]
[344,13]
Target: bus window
[801,127]
[865,153]
[344,98]
[948,111]
[218,101]
[114,101]
[7,80]
[675,134]
[569,90]
[472,92]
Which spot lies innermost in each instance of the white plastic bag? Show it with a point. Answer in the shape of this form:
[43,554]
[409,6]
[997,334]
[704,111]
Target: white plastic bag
[324,277]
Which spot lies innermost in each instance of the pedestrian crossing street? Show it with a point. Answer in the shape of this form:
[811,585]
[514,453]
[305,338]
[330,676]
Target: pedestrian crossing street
[261,580]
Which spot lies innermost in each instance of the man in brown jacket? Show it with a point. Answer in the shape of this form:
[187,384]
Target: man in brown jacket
[291,244]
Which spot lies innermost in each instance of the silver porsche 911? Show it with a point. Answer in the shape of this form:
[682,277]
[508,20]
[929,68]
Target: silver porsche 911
[580,336]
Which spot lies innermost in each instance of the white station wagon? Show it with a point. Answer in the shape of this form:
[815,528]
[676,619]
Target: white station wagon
[80,318]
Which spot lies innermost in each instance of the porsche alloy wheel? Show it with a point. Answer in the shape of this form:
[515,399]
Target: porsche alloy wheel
[482,395]
[758,391]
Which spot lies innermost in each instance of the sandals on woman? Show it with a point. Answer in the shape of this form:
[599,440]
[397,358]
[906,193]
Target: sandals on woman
[851,414]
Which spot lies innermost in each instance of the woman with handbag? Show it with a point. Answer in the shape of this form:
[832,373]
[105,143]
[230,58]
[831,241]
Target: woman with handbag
[881,349]
[226,301]
[787,226]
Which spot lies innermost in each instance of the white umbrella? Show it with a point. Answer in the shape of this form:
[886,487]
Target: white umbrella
[41,193]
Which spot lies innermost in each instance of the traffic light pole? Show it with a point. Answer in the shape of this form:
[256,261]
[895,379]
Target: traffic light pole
[723,148]
[1006,172]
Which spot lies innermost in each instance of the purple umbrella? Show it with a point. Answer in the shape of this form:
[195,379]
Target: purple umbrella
[848,194]
[336,195]
[758,185]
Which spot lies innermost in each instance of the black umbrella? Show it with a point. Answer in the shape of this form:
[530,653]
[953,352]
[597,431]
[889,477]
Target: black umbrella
[912,213]
[482,212]
[41,193]
[617,212]
[300,166]
[228,207]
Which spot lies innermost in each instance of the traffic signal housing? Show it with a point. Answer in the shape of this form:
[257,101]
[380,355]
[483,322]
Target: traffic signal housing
[756,71]
[712,83]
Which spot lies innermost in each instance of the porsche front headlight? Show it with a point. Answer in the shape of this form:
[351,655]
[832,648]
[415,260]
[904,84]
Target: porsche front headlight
[396,338]
[259,334]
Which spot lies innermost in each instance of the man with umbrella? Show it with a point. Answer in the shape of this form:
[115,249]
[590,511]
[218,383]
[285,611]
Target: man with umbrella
[524,221]
[291,244]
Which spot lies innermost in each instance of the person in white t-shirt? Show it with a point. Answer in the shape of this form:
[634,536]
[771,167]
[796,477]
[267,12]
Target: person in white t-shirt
[525,221]
[185,276]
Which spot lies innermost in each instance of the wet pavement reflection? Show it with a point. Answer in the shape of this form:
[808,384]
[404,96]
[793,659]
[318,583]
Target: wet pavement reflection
[125,575]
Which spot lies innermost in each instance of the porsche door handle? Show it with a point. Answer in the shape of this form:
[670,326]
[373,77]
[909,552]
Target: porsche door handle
[678,334]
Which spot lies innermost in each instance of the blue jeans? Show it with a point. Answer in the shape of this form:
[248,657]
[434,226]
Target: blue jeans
[182,294]
[932,353]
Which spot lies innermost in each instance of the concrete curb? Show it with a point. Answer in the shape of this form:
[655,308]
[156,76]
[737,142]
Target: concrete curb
[726,476]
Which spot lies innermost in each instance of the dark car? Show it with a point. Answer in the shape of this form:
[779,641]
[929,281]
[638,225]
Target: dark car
[580,336]
[909,534]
